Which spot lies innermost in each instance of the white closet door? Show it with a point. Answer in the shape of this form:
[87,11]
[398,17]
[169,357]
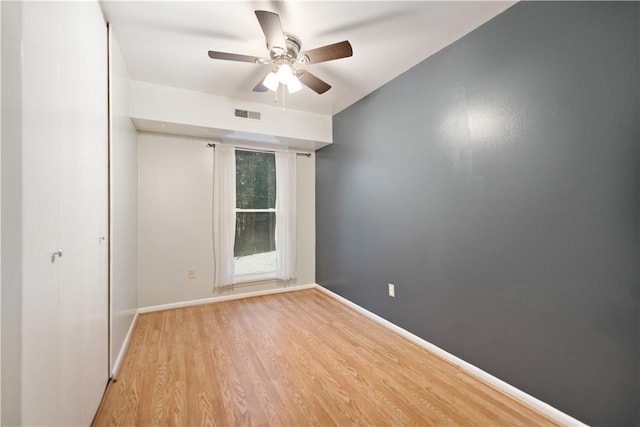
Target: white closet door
[93,208]
[83,219]
[65,374]
[41,216]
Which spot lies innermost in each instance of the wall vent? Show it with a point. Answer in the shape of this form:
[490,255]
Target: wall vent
[248,114]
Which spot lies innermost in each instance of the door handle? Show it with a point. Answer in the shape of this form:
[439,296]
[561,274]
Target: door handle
[57,253]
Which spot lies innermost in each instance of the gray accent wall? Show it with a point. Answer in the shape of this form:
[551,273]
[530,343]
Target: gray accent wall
[496,184]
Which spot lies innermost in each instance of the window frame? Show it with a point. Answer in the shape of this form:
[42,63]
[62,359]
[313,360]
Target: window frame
[259,276]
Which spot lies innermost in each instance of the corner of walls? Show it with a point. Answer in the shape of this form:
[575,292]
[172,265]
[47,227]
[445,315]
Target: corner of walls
[11,215]
[117,361]
[123,204]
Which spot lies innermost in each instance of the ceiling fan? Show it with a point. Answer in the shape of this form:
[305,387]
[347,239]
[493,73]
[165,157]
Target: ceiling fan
[284,53]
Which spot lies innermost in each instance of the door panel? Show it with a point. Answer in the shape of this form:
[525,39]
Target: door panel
[83,221]
[66,166]
[41,216]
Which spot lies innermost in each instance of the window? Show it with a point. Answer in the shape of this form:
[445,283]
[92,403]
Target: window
[254,249]
[254,233]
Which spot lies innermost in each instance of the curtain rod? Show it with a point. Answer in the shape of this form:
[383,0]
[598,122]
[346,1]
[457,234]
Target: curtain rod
[257,149]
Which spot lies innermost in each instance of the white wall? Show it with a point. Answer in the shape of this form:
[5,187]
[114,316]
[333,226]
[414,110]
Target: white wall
[191,109]
[175,211]
[124,205]
[306,233]
[175,187]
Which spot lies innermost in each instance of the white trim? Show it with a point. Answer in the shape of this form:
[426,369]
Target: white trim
[125,345]
[224,298]
[111,363]
[240,279]
[256,210]
[512,391]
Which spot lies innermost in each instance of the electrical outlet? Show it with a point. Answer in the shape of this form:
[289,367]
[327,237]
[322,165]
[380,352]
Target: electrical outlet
[392,290]
[191,274]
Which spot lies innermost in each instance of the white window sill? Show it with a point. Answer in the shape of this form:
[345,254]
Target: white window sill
[252,278]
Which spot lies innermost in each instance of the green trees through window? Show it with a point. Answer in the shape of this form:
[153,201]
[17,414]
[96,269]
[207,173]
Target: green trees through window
[254,249]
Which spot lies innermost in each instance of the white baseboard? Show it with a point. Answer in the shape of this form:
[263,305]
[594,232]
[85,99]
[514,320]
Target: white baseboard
[512,391]
[123,349]
[224,298]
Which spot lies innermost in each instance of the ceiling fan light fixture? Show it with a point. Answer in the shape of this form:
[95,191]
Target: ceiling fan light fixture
[294,85]
[271,81]
[285,74]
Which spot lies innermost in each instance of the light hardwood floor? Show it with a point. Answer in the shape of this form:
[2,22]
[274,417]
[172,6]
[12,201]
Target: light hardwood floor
[298,358]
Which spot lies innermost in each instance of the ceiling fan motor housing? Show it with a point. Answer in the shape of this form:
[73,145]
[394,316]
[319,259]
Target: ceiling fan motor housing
[293,49]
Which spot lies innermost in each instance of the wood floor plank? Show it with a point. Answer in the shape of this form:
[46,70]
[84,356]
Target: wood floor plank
[298,358]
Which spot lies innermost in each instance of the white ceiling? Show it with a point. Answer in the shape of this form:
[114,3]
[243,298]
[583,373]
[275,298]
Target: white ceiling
[166,42]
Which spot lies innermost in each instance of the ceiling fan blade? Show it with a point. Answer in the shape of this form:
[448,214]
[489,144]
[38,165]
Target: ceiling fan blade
[314,83]
[260,87]
[272,29]
[232,56]
[328,53]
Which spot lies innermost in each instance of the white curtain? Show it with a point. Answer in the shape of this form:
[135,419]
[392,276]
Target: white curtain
[224,213]
[286,215]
